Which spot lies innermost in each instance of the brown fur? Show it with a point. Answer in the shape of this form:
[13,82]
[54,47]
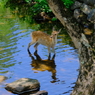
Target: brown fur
[39,37]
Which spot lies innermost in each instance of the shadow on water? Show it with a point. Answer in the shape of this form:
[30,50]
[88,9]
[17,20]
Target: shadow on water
[58,74]
[42,65]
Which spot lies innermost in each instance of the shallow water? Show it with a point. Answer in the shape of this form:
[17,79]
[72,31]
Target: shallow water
[57,78]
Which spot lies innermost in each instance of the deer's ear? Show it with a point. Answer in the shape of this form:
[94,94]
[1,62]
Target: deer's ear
[59,30]
[50,36]
[53,29]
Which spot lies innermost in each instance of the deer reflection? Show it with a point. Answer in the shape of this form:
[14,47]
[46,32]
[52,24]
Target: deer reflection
[43,65]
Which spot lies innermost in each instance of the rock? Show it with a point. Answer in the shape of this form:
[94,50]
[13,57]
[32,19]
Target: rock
[91,16]
[2,78]
[23,85]
[41,93]
[76,5]
[85,9]
[77,13]
[89,2]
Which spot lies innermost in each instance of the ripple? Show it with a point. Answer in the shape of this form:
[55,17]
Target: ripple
[56,77]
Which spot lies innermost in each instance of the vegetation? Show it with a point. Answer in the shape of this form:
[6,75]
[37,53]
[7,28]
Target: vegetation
[68,3]
[25,10]
[42,4]
[33,8]
[20,18]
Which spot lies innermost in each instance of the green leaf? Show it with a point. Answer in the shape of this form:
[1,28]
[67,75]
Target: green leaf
[28,1]
[54,19]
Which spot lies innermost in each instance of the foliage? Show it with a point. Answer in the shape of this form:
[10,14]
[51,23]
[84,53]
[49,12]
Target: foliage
[30,9]
[54,19]
[40,6]
[68,3]
[28,1]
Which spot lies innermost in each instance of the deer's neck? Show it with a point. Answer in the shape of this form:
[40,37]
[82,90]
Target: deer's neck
[54,40]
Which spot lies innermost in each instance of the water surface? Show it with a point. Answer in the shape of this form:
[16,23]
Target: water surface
[56,77]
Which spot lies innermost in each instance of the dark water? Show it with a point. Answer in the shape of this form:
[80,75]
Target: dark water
[57,79]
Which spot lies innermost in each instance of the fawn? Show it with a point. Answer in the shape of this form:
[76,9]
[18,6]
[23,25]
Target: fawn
[39,37]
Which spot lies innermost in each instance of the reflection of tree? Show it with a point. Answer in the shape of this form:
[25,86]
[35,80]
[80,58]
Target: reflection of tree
[6,52]
[43,65]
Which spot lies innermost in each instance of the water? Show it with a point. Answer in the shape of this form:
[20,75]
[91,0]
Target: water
[57,79]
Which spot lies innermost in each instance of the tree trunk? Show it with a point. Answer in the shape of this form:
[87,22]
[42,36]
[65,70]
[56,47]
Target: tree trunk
[83,41]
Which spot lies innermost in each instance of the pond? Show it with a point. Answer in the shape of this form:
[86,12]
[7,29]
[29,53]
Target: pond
[58,77]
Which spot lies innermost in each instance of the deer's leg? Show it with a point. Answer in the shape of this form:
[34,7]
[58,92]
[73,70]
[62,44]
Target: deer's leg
[37,56]
[53,57]
[35,46]
[31,43]
[49,56]
[54,53]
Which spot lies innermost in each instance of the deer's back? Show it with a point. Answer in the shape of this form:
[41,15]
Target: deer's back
[42,38]
[39,34]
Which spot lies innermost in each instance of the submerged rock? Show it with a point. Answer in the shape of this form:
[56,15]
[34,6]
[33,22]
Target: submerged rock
[2,78]
[23,85]
[41,93]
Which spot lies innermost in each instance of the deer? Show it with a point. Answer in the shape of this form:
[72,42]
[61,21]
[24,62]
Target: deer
[39,37]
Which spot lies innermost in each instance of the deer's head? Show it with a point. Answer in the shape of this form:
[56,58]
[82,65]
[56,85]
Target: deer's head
[55,33]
